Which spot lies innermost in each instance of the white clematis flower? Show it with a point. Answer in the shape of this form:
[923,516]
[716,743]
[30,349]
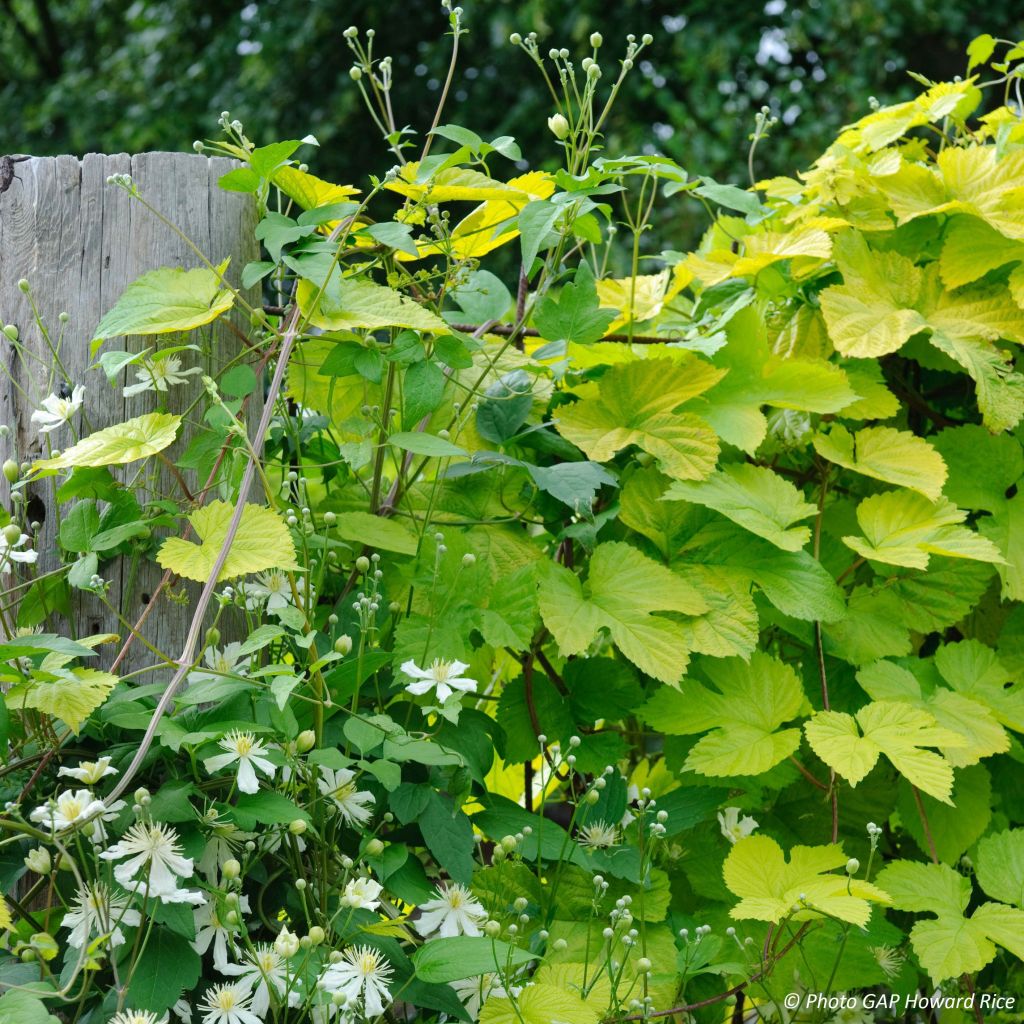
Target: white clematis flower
[354,805]
[98,911]
[227,1004]
[158,374]
[11,550]
[455,911]
[153,850]
[260,969]
[249,752]
[89,772]
[362,894]
[76,809]
[446,676]
[362,972]
[56,410]
[733,827]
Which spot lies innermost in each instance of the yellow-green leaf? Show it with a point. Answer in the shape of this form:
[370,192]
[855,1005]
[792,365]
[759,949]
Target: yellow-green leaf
[624,592]
[770,888]
[894,456]
[971,248]
[308,190]
[70,695]
[168,299]
[350,303]
[454,184]
[970,719]
[539,1003]
[124,442]
[742,716]
[263,541]
[951,944]
[905,528]
[636,404]
[755,498]
[899,731]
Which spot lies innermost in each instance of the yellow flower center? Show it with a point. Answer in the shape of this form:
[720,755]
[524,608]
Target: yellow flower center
[226,999]
[244,742]
[71,808]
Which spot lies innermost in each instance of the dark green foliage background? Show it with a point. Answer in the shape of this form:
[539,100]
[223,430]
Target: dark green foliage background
[134,75]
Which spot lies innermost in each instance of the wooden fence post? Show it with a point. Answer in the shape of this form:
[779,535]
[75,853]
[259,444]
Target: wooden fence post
[79,242]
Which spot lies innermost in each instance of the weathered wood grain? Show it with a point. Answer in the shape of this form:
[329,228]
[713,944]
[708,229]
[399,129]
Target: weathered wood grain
[80,242]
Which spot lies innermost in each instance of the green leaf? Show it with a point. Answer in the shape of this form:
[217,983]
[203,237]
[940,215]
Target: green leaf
[893,456]
[263,541]
[982,468]
[166,300]
[636,405]
[729,196]
[449,836]
[934,600]
[420,443]
[252,810]
[955,828]
[950,944]
[971,248]
[24,1008]
[975,671]
[1000,866]
[536,219]
[742,716]
[905,528]
[898,731]
[442,961]
[794,581]
[1005,529]
[575,314]
[979,50]
[623,594]
[394,235]
[422,391]
[771,889]
[730,625]
[573,483]
[375,532]
[350,303]
[999,388]
[122,443]
[43,643]
[482,297]
[505,407]
[259,638]
[167,967]
[752,497]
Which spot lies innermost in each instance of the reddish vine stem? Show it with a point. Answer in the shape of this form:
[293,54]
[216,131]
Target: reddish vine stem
[552,674]
[924,825]
[510,330]
[807,775]
[522,292]
[819,645]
